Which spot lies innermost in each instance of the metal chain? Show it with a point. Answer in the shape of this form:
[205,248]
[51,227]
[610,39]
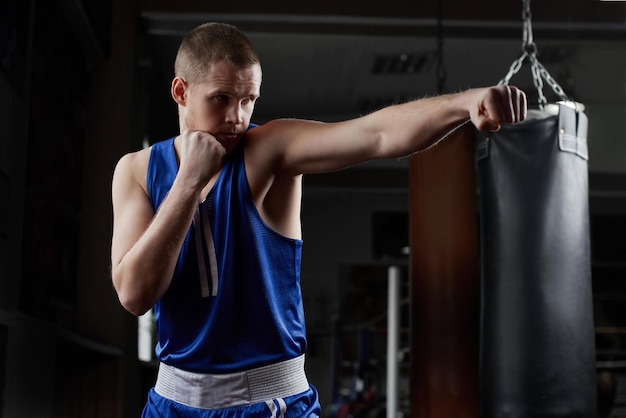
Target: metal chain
[529,50]
[552,82]
[515,67]
[536,72]
[527,20]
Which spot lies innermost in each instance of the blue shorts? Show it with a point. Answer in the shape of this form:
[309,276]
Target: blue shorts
[303,405]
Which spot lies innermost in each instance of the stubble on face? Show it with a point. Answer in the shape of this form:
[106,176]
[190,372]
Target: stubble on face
[205,112]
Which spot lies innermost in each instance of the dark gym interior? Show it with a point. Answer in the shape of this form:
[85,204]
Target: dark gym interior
[82,82]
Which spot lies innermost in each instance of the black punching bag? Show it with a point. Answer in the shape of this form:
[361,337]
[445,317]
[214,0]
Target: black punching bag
[537,354]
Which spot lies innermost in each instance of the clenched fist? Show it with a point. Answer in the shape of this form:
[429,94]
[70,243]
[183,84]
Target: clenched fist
[497,105]
[201,156]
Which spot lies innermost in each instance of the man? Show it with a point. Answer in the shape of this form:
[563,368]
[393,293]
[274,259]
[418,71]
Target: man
[207,226]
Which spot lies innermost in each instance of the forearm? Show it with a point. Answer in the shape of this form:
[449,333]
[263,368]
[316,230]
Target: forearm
[414,126]
[144,273]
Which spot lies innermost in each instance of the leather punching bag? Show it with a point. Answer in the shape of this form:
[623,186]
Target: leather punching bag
[537,333]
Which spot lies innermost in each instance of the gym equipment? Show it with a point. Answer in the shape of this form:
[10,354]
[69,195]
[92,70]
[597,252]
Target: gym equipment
[537,331]
[537,355]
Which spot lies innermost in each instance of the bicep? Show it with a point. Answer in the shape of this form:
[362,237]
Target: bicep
[305,147]
[132,211]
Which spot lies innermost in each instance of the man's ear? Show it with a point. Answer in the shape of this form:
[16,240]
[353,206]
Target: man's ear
[179,90]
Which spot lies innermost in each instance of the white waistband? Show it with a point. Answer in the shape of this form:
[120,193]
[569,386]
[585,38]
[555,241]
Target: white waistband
[216,391]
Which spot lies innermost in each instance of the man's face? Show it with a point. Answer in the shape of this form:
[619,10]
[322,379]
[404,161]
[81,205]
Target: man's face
[223,103]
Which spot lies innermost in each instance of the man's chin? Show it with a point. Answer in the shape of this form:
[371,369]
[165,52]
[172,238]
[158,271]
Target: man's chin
[229,141]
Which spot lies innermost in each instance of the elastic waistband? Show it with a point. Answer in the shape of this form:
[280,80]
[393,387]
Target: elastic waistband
[216,391]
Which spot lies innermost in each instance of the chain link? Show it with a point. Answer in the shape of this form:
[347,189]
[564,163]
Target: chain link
[529,50]
[552,82]
[527,20]
[536,72]
[515,67]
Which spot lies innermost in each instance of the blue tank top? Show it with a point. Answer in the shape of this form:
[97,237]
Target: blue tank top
[235,301]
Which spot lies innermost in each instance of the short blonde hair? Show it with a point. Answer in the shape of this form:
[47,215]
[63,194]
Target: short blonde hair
[211,42]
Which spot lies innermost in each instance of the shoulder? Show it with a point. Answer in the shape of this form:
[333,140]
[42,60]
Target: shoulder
[134,160]
[277,135]
[264,146]
[132,167]
[138,161]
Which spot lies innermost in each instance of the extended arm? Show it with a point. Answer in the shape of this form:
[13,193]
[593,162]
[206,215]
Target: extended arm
[308,147]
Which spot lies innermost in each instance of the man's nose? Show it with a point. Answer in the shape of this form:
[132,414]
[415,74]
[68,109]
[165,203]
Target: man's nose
[235,114]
